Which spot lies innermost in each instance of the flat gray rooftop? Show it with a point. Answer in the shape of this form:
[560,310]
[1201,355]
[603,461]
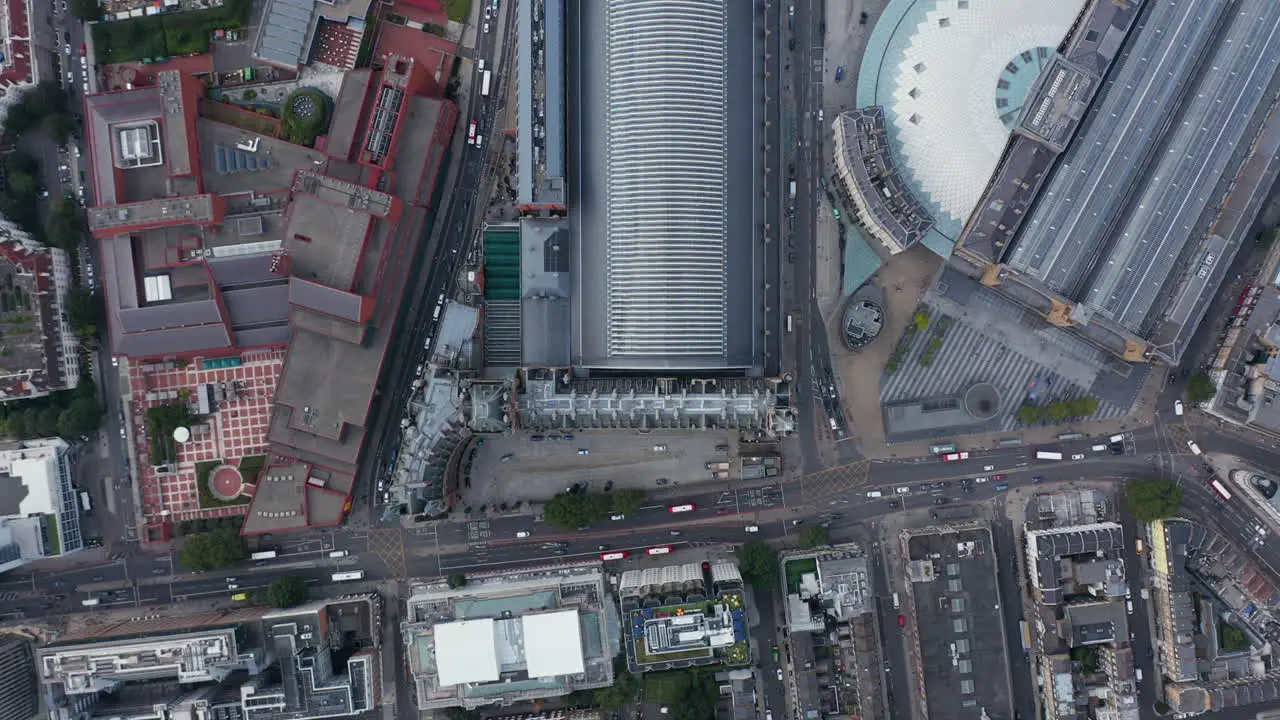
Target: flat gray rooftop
[227,169]
[962,642]
[325,240]
[332,388]
[278,500]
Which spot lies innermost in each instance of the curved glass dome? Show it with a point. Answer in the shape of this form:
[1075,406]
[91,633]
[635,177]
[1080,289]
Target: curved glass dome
[952,76]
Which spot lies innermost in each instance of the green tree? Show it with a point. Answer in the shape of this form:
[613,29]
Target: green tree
[86,9]
[1200,389]
[81,417]
[1028,414]
[212,550]
[758,562]
[813,536]
[66,227]
[457,580]
[85,313]
[698,700]
[15,425]
[457,713]
[1152,498]
[287,592]
[627,501]
[59,127]
[574,510]
[920,321]
[622,691]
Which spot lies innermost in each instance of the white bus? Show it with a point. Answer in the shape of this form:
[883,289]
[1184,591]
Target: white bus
[349,575]
[86,503]
[1047,455]
[1221,489]
[484,82]
[264,555]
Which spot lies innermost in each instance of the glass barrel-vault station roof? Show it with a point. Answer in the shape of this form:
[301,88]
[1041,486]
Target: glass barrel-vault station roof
[665,196]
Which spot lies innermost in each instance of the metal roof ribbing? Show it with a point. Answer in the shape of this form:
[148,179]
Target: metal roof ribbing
[1181,185]
[666,190]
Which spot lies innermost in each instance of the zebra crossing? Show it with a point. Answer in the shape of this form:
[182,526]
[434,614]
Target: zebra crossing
[9,596]
[968,356]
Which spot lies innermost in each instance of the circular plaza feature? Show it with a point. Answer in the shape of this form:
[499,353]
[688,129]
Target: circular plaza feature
[982,401]
[225,483]
[952,77]
[861,323]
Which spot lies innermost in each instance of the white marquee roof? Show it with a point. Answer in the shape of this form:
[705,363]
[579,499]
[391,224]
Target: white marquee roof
[466,652]
[553,644]
[942,100]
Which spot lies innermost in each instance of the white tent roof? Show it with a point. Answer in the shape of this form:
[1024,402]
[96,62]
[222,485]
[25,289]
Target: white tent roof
[465,652]
[553,644]
[944,84]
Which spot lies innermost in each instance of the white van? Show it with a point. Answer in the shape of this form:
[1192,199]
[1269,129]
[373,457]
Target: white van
[875,494]
[903,490]
[1099,448]
[1117,438]
[479,141]
[339,553]
[1195,449]
[1137,672]
[90,602]
[897,602]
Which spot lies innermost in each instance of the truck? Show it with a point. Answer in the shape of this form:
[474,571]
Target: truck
[793,189]
[263,555]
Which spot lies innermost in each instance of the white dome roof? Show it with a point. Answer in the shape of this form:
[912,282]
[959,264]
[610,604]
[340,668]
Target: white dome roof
[942,103]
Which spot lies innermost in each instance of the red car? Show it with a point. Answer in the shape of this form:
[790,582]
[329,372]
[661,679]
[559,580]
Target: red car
[723,511]
[997,478]
[902,621]
[682,508]
[83,49]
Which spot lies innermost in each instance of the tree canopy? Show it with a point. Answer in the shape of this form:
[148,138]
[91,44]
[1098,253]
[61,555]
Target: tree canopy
[622,691]
[457,580]
[813,536]
[576,509]
[758,562]
[1152,498]
[287,592]
[627,501]
[1057,412]
[86,10]
[86,314]
[212,550]
[1200,389]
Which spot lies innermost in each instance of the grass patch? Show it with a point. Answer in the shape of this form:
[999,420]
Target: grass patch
[207,499]
[1232,638]
[55,537]
[665,687]
[795,569]
[458,10]
[162,420]
[155,37]
[250,467]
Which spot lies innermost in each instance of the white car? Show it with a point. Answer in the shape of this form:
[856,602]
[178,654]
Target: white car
[232,586]
[779,674]
[903,490]
[1177,408]
[486,27]
[583,451]
[1077,457]
[618,516]
[988,468]
[981,479]
[753,528]
[522,534]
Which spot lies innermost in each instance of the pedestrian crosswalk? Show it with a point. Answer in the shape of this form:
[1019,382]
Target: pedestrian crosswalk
[9,596]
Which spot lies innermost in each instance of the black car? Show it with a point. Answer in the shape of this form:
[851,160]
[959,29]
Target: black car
[1037,479]
[59,597]
[941,501]
[943,484]
[98,578]
[536,438]
[926,487]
